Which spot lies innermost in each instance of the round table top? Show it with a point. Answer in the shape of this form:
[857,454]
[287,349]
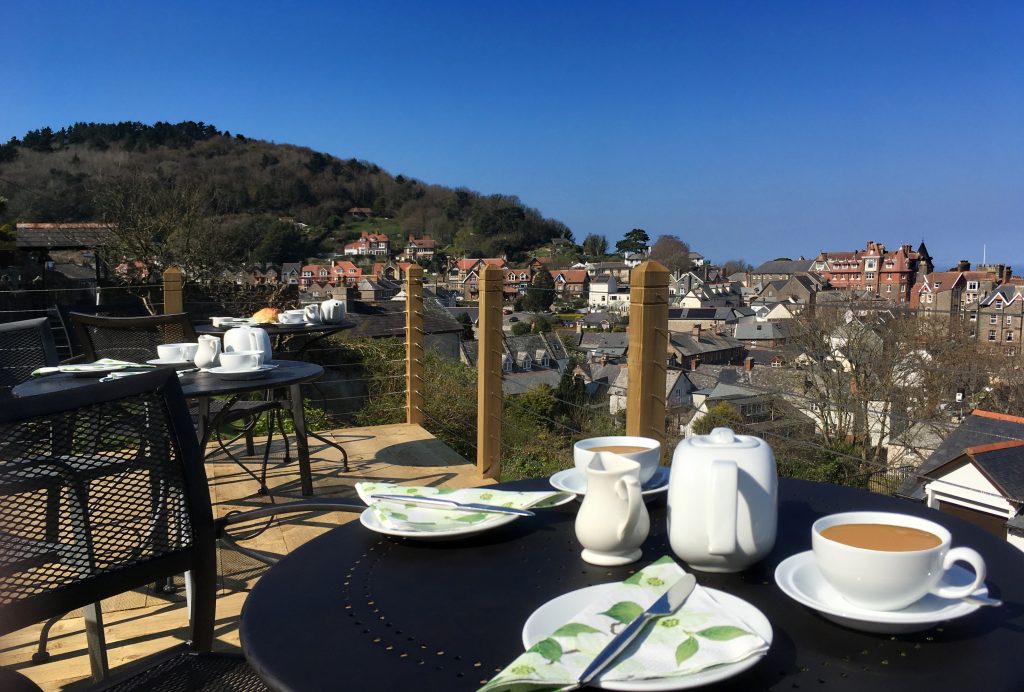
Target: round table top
[355,609]
[278,328]
[193,384]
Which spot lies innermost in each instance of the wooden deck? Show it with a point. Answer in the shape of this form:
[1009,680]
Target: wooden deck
[140,623]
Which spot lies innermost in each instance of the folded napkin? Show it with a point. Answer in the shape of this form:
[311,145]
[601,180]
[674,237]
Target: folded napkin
[394,514]
[101,364]
[699,635]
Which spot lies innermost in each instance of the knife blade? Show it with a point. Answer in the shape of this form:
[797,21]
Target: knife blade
[452,504]
[671,601]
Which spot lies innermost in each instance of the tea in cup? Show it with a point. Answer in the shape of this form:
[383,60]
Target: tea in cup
[643,450]
[886,561]
[237,361]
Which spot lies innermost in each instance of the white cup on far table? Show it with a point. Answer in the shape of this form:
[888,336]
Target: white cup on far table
[899,569]
[179,353]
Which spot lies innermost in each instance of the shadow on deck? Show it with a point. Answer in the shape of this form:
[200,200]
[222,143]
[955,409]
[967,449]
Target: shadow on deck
[139,623]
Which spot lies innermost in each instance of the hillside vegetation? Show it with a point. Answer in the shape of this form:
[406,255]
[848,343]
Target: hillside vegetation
[242,187]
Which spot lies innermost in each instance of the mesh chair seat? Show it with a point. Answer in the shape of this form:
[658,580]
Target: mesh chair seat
[24,346]
[24,554]
[190,672]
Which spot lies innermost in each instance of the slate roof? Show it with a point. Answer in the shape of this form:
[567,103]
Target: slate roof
[693,313]
[520,382]
[382,319]
[756,331]
[610,343]
[71,236]
[473,312]
[707,342]
[782,266]
[1007,291]
[979,429]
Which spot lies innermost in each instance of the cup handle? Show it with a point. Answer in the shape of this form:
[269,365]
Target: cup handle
[722,506]
[971,557]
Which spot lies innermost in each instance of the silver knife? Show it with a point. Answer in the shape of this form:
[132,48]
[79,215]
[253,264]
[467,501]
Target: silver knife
[452,504]
[671,601]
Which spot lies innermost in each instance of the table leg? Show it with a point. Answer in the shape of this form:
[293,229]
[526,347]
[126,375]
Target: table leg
[203,411]
[301,443]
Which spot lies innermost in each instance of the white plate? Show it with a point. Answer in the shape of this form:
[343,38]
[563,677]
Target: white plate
[169,361]
[799,578]
[221,372]
[98,369]
[369,520]
[559,611]
[572,481]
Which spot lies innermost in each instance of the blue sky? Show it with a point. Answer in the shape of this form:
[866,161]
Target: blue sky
[749,129]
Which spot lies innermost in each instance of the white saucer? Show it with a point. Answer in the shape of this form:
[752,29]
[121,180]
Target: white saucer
[572,481]
[369,520]
[169,361]
[561,610]
[260,371]
[799,578]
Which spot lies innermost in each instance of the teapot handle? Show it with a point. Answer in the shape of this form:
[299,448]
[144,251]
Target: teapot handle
[628,489]
[721,507]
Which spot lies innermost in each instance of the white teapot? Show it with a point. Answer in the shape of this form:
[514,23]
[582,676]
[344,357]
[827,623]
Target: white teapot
[248,339]
[332,311]
[722,501]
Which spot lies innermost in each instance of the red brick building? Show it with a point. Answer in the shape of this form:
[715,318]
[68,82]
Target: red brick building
[891,275]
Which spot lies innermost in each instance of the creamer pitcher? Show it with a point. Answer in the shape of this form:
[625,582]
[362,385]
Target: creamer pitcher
[612,522]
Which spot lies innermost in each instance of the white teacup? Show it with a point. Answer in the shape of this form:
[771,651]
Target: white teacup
[894,572]
[237,361]
[220,321]
[179,353]
[643,450]
[291,317]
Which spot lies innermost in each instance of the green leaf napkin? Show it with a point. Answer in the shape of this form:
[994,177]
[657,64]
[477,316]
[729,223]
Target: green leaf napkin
[698,636]
[99,366]
[402,516]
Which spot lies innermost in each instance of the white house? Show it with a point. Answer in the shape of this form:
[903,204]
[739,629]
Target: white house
[607,294]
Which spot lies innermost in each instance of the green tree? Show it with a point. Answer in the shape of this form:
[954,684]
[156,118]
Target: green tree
[540,325]
[673,253]
[595,245]
[635,241]
[520,328]
[541,293]
[723,415]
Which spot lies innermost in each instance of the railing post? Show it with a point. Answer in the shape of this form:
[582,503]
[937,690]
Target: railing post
[414,345]
[648,351]
[173,282]
[488,386]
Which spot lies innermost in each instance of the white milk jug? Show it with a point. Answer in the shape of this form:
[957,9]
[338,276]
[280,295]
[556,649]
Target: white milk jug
[208,353]
[722,501]
[248,339]
[612,522]
[311,313]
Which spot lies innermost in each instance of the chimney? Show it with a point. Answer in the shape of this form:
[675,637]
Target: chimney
[963,266]
[748,363]
[696,331]
[1007,274]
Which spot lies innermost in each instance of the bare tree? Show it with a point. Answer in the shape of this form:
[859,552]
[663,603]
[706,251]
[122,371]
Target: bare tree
[673,253]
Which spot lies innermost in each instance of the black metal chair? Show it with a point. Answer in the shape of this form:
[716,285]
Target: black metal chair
[24,346]
[136,338]
[135,507]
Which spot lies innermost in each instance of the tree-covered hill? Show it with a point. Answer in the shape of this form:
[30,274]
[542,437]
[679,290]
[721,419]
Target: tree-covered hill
[245,185]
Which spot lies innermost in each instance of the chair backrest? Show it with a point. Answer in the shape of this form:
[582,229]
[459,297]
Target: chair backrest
[102,490]
[130,338]
[129,307]
[24,346]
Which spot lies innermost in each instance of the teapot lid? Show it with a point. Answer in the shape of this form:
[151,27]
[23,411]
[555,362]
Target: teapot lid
[724,437]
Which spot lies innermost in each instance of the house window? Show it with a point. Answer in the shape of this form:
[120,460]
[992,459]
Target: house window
[972,285]
[999,304]
[931,298]
[869,275]
[974,317]
[991,334]
[1009,320]
[869,264]
[544,362]
[1009,336]
[506,364]
[888,289]
[992,319]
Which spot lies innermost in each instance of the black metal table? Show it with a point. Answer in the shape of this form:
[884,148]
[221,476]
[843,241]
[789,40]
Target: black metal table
[352,609]
[290,374]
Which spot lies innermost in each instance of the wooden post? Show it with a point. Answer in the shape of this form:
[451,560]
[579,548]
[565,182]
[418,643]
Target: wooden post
[648,351]
[414,345]
[173,282]
[488,386]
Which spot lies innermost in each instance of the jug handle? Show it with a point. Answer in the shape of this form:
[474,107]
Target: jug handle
[721,507]
[628,489]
